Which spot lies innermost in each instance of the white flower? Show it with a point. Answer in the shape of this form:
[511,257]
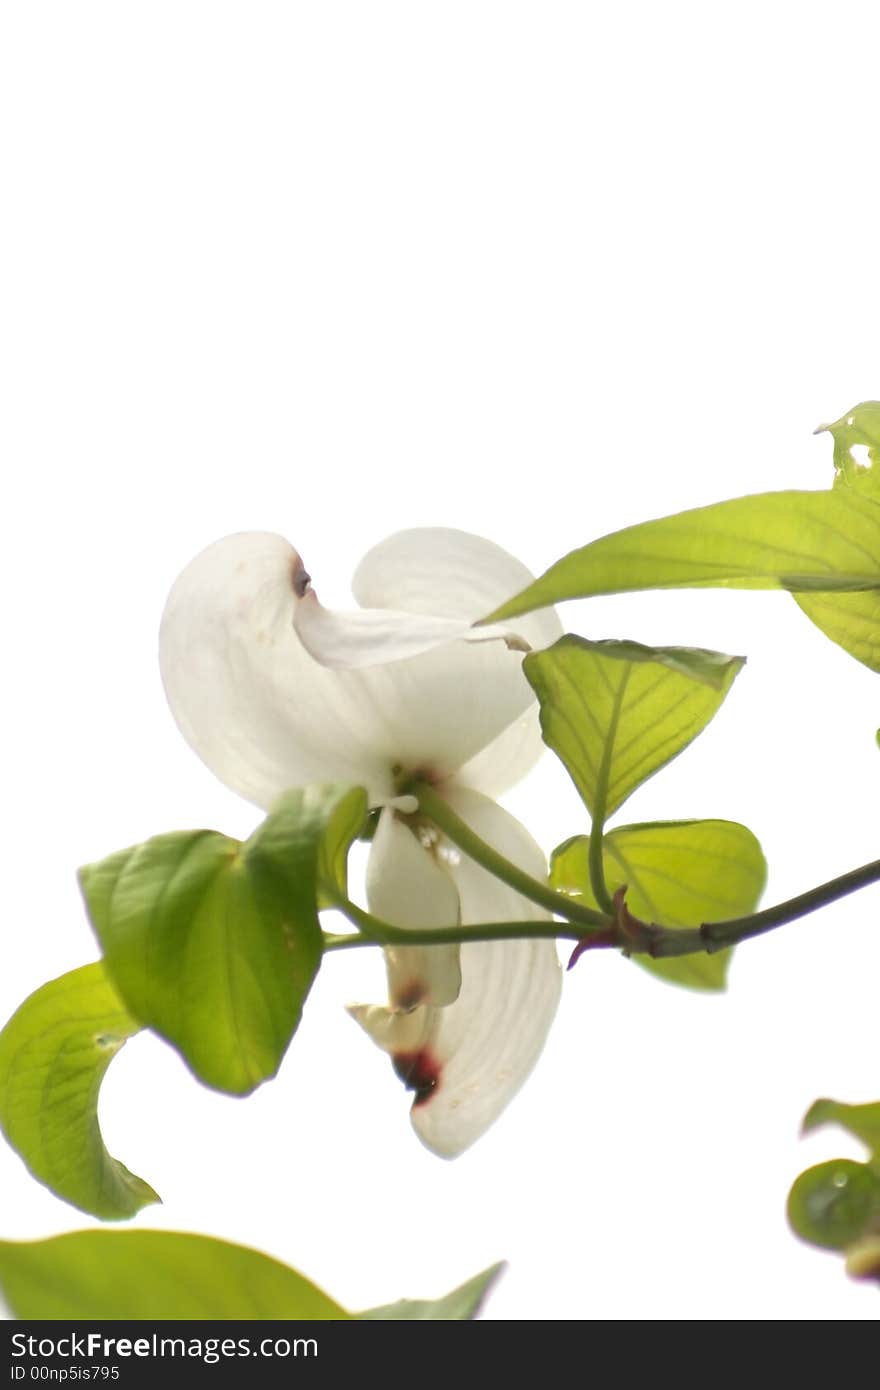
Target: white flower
[273,690]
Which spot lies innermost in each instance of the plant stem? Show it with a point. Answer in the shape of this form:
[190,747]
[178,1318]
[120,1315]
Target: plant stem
[455,829]
[640,938]
[717,935]
[596,864]
[384,934]
[599,810]
[372,931]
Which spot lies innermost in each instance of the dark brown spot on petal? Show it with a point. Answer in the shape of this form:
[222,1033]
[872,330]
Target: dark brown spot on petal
[299,579]
[419,1072]
[413,992]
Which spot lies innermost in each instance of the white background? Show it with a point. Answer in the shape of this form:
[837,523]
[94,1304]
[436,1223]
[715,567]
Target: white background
[532,270]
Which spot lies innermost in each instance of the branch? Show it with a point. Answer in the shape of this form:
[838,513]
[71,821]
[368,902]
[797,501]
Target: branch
[624,932]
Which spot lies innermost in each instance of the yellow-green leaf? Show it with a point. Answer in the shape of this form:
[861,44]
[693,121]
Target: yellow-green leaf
[677,874]
[159,1275]
[835,1204]
[463,1303]
[862,1121]
[214,944]
[824,547]
[153,1275]
[858,427]
[616,712]
[54,1052]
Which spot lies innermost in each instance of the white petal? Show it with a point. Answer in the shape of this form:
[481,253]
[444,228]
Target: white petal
[265,716]
[467,1061]
[401,1033]
[407,887]
[483,897]
[436,570]
[486,1044]
[508,759]
[249,699]
[376,636]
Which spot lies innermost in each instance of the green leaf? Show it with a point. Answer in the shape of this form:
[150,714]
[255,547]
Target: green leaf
[850,620]
[616,712]
[153,1275]
[463,1303]
[822,546]
[834,1204]
[156,1275]
[863,1121]
[215,944]
[859,426]
[677,874]
[347,822]
[54,1052]
[801,541]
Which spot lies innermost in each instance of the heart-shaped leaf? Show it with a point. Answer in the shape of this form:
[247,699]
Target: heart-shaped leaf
[54,1052]
[153,1275]
[616,712]
[214,944]
[157,1275]
[677,874]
